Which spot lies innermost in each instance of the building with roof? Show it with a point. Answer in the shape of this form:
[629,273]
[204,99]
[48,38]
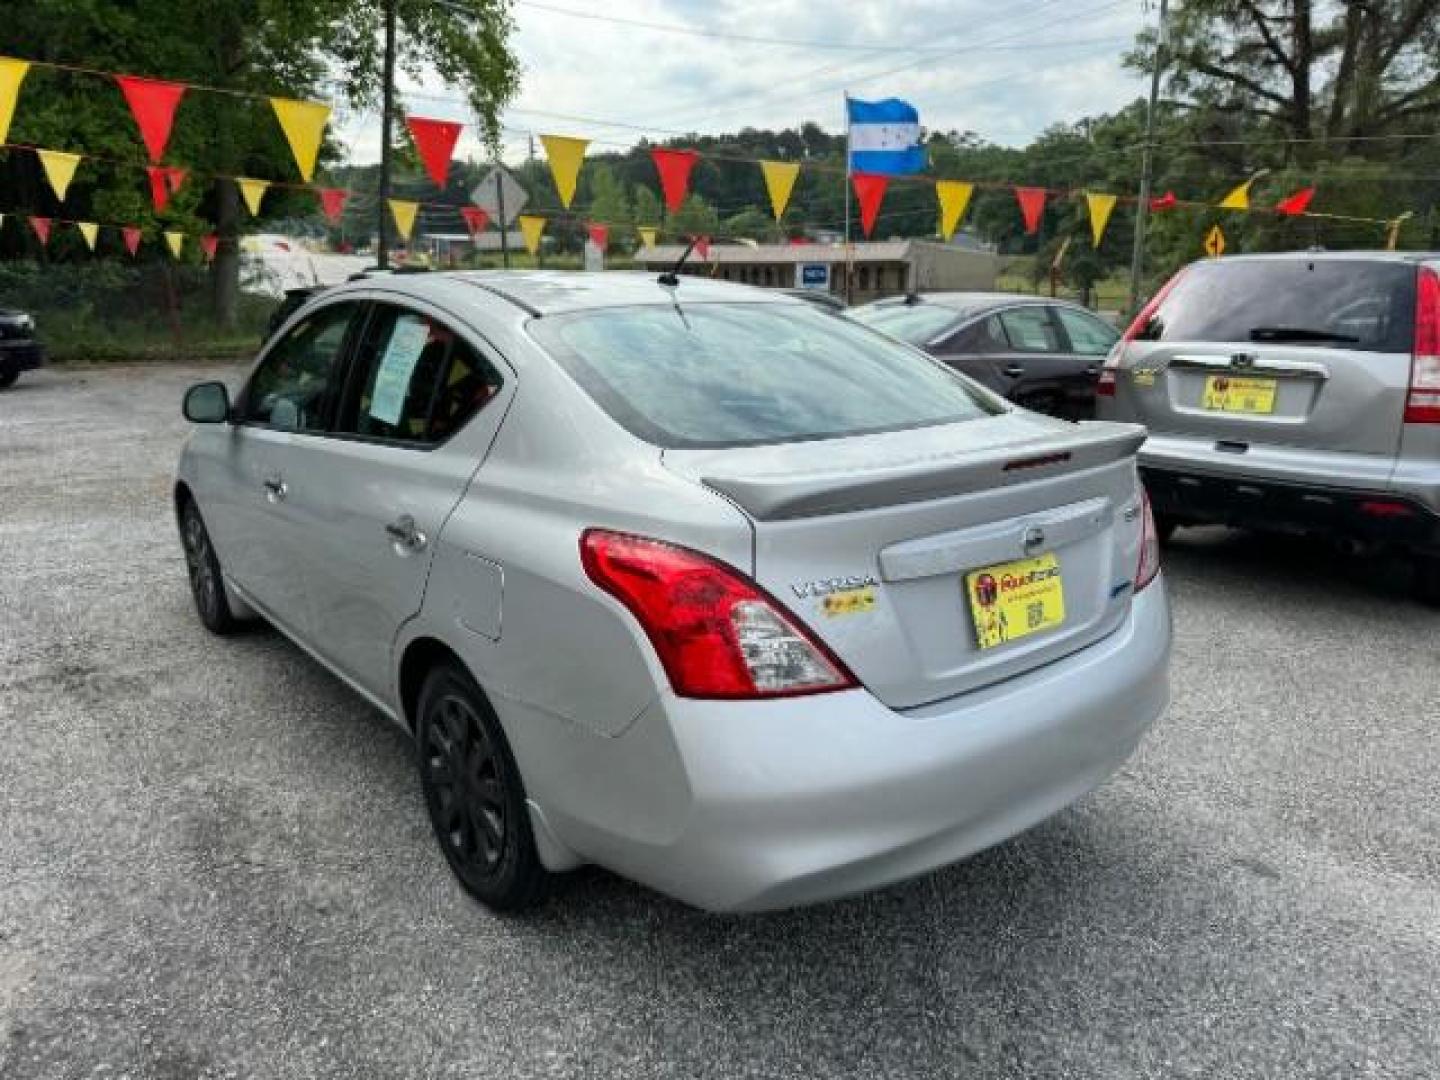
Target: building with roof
[877,268]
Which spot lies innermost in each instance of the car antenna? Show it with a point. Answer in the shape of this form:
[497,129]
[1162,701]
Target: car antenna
[672,276]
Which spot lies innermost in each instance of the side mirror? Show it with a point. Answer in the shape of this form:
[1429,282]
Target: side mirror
[207,403]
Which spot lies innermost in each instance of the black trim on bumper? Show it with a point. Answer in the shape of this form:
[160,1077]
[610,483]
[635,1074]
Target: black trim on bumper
[26,356]
[1264,505]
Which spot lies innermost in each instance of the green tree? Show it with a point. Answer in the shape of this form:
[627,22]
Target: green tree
[696,217]
[647,206]
[752,225]
[609,203]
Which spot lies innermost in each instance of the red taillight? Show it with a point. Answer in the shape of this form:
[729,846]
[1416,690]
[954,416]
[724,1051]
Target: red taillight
[1149,563]
[717,633]
[1105,387]
[1422,403]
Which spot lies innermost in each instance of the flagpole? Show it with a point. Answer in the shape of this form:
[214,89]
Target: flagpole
[849,254]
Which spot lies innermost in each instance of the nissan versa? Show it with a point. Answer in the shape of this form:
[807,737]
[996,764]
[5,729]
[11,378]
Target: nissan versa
[748,603]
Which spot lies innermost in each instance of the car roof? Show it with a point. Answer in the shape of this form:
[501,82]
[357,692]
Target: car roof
[1334,256]
[550,292]
[969,302]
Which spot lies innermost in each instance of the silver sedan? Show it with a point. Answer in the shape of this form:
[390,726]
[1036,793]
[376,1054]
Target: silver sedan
[690,580]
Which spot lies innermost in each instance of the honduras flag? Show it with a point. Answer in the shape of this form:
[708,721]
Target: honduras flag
[884,136]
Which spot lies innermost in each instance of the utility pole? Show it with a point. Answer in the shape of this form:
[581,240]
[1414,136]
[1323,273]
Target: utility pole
[1142,210]
[387,112]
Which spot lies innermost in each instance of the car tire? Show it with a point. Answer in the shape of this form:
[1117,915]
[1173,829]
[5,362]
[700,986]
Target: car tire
[1427,578]
[7,379]
[474,794]
[207,586]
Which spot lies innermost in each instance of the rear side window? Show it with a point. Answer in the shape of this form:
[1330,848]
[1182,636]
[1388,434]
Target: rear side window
[700,375]
[919,324]
[985,336]
[1088,335]
[1334,303]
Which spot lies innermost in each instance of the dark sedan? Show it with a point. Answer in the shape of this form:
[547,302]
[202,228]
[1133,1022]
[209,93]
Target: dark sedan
[1040,353]
[19,351]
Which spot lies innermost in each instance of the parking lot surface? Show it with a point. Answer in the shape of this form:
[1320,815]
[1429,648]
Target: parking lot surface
[215,862]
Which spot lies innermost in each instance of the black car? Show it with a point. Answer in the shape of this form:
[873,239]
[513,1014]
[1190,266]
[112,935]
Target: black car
[1040,353]
[19,351]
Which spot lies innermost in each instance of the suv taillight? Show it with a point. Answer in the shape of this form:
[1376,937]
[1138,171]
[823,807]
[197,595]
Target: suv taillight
[717,633]
[1110,370]
[1422,403]
[1149,563]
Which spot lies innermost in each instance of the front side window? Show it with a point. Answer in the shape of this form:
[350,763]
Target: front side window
[1030,329]
[414,380]
[296,385]
[1088,335]
[703,375]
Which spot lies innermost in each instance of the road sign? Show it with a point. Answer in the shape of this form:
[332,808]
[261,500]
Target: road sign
[500,195]
[1215,242]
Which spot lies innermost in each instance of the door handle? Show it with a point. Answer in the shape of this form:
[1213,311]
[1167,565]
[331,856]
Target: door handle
[405,535]
[1014,370]
[1092,371]
[275,488]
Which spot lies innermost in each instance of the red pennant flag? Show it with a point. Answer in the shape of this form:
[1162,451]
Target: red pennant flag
[152,103]
[41,225]
[159,188]
[702,247]
[674,168]
[435,142]
[174,177]
[869,191]
[1296,204]
[599,234]
[209,243]
[332,202]
[475,219]
[1032,205]
[132,238]
[1164,202]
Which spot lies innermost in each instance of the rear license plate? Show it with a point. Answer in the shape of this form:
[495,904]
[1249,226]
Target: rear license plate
[1015,599]
[1244,394]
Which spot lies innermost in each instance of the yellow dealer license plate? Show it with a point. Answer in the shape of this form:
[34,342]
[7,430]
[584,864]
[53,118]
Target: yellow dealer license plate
[1015,599]
[1245,394]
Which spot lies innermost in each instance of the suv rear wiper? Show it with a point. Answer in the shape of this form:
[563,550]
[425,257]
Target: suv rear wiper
[1297,333]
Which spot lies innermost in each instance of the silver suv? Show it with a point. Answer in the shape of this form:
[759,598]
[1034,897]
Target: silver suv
[1294,393]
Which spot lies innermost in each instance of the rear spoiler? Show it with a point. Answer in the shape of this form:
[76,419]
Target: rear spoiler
[778,497]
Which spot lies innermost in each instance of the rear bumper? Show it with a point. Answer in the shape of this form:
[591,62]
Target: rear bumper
[19,356]
[745,806]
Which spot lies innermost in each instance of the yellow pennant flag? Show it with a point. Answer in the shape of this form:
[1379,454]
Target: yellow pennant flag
[648,235]
[175,241]
[564,155]
[1239,198]
[252,191]
[403,211]
[1101,206]
[531,227]
[90,230]
[780,182]
[954,196]
[12,74]
[1392,234]
[59,169]
[304,125]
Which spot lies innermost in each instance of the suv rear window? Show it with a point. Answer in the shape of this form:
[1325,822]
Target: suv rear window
[705,375]
[1332,303]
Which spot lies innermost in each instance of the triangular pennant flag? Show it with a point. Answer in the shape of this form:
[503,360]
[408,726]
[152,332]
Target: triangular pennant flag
[304,125]
[174,177]
[132,235]
[674,168]
[159,188]
[599,234]
[41,225]
[954,196]
[59,169]
[90,231]
[12,74]
[475,219]
[1296,204]
[1164,202]
[648,235]
[332,202]
[252,191]
[1100,206]
[1239,197]
[869,191]
[435,143]
[403,211]
[565,155]
[702,247]
[531,226]
[152,103]
[209,244]
[1032,206]
[779,182]
[175,241]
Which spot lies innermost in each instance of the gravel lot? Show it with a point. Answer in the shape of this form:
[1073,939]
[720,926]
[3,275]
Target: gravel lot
[214,860]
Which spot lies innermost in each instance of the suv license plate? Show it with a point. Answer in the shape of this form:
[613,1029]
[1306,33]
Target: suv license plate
[1239,394]
[1015,599]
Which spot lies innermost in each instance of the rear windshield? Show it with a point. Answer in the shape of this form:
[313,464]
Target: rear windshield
[703,375]
[918,324]
[1332,303]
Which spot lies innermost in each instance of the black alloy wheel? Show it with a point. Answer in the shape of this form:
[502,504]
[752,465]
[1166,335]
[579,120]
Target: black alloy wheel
[206,584]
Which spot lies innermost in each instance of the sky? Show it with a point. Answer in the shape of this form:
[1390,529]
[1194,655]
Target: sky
[1004,70]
